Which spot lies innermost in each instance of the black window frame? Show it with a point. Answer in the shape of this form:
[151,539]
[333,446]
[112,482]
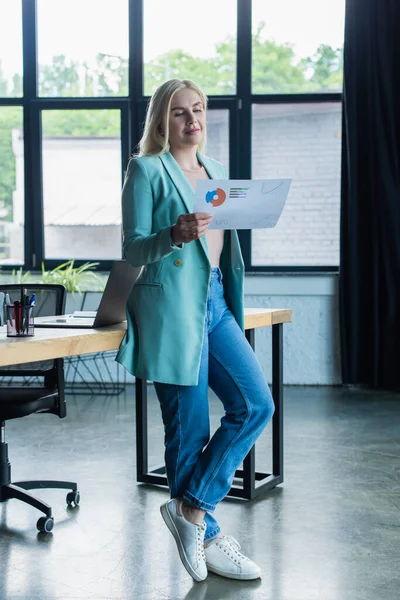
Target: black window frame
[132,110]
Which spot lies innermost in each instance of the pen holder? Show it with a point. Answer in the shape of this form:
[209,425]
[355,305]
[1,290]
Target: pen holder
[19,320]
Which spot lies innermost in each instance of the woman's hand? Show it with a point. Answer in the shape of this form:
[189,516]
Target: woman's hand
[190,227]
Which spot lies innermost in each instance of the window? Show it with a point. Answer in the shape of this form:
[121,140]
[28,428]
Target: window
[11,186]
[187,41]
[83,48]
[10,50]
[273,74]
[297,46]
[218,135]
[82,184]
[301,142]
[297,77]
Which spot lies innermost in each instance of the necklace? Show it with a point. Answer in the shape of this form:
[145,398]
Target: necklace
[191,170]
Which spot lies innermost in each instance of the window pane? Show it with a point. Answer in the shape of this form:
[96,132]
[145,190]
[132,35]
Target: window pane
[83,48]
[10,49]
[11,186]
[189,42]
[82,184]
[218,136]
[302,142]
[297,46]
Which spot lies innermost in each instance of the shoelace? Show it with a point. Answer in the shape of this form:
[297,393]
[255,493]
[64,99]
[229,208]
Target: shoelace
[231,548]
[233,540]
[200,542]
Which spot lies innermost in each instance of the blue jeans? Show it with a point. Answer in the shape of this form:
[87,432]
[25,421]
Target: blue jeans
[200,469]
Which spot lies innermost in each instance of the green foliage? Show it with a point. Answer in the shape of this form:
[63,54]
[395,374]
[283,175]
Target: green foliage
[61,78]
[327,69]
[214,76]
[177,63]
[64,77]
[274,68]
[112,72]
[81,123]
[75,279]
[20,276]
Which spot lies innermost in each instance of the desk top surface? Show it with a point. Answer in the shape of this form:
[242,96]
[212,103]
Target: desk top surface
[58,343]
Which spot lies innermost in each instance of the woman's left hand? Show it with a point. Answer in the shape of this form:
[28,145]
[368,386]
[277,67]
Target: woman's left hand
[190,227]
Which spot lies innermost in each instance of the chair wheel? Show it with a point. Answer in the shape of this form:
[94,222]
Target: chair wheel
[45,524]
[73,498]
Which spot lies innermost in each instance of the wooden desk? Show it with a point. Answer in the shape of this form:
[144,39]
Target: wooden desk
[59,343]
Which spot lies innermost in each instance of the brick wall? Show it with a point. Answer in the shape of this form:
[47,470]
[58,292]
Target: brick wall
[302,142]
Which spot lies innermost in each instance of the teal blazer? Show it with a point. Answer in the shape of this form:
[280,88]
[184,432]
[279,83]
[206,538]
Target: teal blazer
[167,306]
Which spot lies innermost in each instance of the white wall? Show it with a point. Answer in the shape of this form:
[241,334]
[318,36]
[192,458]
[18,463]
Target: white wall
[311,341]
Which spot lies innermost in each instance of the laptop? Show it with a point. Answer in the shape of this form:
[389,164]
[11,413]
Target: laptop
[112,304]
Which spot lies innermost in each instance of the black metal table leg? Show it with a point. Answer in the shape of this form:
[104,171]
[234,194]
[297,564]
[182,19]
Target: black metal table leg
[255,482]
[141,428]
[277,394]
[249,476]
[249,463]
[157,475]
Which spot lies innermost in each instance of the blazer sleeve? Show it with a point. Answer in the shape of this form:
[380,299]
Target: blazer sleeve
[140,245]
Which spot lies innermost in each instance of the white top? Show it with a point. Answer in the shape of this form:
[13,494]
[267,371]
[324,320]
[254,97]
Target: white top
[215,237]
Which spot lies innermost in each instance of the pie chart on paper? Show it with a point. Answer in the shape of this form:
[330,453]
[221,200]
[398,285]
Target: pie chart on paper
[216,197]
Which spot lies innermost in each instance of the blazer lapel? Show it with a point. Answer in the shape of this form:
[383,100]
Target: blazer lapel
[179,180]
[208,165]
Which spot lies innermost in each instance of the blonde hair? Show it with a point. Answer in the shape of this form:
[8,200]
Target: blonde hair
[157,115]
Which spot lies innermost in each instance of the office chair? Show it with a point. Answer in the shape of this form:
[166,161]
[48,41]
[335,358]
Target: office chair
[20,399]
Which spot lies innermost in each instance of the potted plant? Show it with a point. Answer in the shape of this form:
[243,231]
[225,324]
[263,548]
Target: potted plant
[79,282]
[83,285]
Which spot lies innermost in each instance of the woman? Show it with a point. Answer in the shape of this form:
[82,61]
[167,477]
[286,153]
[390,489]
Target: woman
[185,327]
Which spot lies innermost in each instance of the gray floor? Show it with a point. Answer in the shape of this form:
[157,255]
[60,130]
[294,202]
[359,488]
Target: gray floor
[330,532]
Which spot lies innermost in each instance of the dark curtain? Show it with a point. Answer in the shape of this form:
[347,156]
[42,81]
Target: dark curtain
[370,217]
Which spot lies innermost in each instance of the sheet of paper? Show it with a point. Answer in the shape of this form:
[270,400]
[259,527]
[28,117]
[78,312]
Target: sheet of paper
[242,203]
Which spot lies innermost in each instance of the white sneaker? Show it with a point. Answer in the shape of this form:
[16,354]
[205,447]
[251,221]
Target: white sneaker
[223,557]
[189,538]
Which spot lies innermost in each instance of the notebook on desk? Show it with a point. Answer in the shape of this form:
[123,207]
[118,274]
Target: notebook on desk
[112,304]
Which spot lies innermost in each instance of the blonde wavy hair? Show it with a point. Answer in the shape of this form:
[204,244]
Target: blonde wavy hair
[157,116]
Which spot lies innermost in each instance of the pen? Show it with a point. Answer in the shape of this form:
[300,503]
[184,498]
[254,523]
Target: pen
[29,303]
[8,299]
[9,318]
[17,315]
[2,308]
